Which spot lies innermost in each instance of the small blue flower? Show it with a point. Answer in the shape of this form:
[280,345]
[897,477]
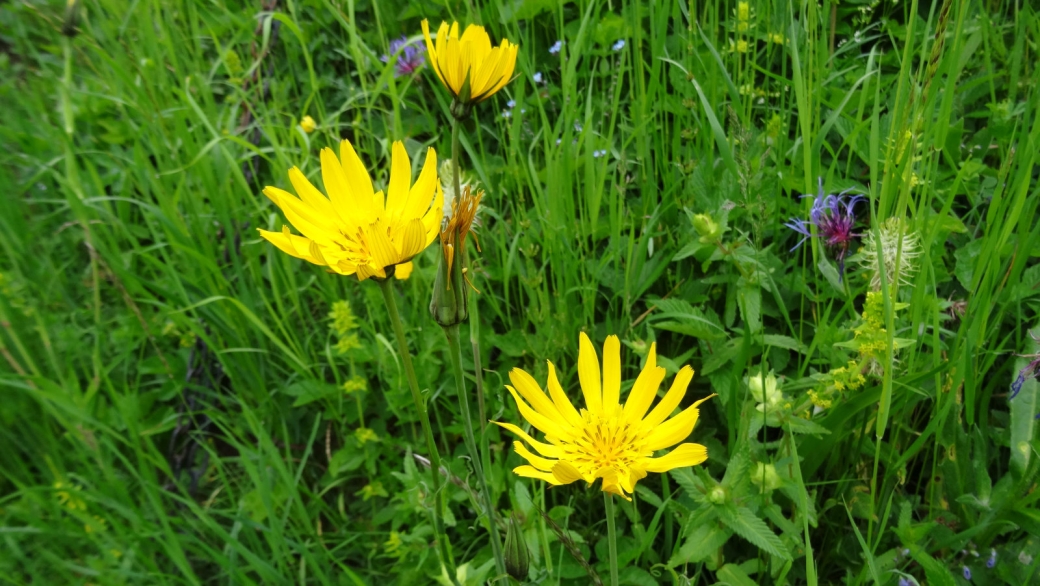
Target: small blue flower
[904,582]
[1031,370]
[511,104]
[577,127]
[834,218]
[558,141]
[412,57]
[992,561]
[598,154]
[966,572]
[555,49]
[507,114]
[620,44]
[538,77]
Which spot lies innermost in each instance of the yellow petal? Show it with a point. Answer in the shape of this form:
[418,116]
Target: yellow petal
[532,472]
[565,472]
[431,48]
[539,421]
[400,180]
[504,71]
[611,373]
[410,239]
[544,449]
[645,388]
[404,270]
[358,182]
[588,375]
[434,216]
[311,196]
[532,393]
[380,246]
[303,217]
[675,429]
[559,398]
[364,271]
[682,456]
[293,245]
[671,399]
[536,461]
[423,193]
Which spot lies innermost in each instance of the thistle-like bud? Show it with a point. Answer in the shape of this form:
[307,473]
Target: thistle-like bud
[707,228]
[518,561]
[449,305]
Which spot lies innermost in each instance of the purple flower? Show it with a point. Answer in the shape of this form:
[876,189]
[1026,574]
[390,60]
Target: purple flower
[834,217]
[410,60]
[992,561]
[966,572]
[1032,370]
[904,582]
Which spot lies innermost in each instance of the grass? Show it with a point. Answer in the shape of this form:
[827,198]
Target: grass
[173,404]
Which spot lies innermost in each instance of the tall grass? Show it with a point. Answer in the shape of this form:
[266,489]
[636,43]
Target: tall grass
[173,409]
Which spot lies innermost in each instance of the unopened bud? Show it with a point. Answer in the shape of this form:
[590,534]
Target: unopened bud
[707,228]
[449,304]
[70,26]
[518,561]
[765,477]
[717,495]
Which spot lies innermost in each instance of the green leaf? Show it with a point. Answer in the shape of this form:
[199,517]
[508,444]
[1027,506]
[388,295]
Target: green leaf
[749,298]
[701,543]
[678,316]
[830,272]
[778,341]
[1024,408]
[734,575]
[747,525]
[309,391]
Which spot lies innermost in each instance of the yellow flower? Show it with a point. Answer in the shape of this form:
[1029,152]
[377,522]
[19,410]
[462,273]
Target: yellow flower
[307,124]
[606,440]
[742,46]
[743,11]
[471,57]
[356,230]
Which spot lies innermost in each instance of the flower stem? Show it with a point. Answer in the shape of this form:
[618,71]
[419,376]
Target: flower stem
[455,349]
[443,546]
[608,502]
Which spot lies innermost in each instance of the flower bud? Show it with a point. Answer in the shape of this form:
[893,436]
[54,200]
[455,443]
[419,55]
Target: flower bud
[70,26]
[717,495]
[763,388]
[518,561]
[307,124]
[449,305]
[707,228]
[765,477]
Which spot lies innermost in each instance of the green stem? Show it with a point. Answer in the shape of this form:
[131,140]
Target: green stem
[608,501]
[455,349]
[443,547]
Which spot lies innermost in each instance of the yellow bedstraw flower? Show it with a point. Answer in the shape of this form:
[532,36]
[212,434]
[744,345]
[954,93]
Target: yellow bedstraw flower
[606,439]
[357,230]
[469,66]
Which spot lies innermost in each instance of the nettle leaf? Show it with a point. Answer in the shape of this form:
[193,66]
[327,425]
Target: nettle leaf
[806,426]
[734,575]
[747,525]
[749,298]
[702,542]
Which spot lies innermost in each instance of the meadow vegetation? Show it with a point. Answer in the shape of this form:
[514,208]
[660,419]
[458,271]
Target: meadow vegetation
[182,403]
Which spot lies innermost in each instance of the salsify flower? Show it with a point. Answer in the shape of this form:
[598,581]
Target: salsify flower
[605,440]
[469,66]
[356,230]
[834,217]
[412,57]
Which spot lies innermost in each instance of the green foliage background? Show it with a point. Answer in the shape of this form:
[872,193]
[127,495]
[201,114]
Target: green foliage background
[172,404]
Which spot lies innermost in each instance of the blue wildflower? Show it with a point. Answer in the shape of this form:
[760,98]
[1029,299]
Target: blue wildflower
[538,77]
[511,104]
[558,141]
[507,114]
[966,572]
[1031,370]
[577,127]
[598,154]
[903,581]
[555,49]
[410,60]
[834,217]
[992,561]
[620,44]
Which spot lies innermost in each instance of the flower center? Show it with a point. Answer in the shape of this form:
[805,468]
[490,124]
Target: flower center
[604,442]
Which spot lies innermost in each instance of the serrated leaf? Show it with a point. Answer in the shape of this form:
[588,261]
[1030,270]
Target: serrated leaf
[749,298]
[701,543]
[778,341]
[935,571]
[734,575]
[676,315]
[805,426]
[747,525]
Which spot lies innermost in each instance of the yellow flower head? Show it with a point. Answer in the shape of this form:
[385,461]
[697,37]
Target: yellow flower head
[307,124]
[605,440]
[356,230]
[471,57]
